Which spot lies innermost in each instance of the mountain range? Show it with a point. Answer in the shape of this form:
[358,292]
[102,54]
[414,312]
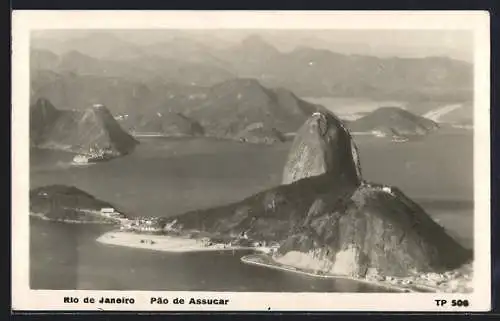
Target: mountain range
[165,124]
[305,71]
[240,109]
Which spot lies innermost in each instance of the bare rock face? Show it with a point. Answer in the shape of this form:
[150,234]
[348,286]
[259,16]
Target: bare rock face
[337,228]
[377,229]
[323,145]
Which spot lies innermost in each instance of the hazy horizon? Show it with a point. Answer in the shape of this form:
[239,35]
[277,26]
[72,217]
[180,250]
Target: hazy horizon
[455,44]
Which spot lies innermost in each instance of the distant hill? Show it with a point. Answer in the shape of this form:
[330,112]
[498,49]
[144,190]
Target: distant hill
[393,121]
[140,68]
[69,204]
[229,108]
[96,44]
[168,124]
[313,72]
[93,129]
[74,91]
[258,133]
[250,57]
[240,109]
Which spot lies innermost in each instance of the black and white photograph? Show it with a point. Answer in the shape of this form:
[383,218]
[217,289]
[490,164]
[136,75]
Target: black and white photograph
[211,156]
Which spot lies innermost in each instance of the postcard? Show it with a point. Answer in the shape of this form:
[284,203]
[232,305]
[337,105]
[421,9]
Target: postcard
[251,161]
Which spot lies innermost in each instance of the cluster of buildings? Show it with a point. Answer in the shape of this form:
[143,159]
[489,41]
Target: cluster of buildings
[144,224]
[160,225]
[267,247]
[94,154]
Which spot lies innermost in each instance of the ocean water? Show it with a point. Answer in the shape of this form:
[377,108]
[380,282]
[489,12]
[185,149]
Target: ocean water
[164,177]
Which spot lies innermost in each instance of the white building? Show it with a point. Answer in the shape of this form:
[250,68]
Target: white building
[108,211]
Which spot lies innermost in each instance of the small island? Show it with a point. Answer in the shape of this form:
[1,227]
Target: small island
[393,123]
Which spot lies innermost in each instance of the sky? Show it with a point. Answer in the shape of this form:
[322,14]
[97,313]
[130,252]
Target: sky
[457,44]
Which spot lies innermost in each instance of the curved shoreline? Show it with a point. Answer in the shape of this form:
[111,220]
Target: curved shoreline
[417,284]
[247,260]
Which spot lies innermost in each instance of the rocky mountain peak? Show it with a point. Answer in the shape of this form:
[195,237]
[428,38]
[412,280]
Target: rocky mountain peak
[323,145]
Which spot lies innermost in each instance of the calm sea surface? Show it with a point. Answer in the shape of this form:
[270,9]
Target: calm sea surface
[164,177]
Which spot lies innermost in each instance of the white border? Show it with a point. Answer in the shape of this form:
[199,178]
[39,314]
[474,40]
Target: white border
[24,21]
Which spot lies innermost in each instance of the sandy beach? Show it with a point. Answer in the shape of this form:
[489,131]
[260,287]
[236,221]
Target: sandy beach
[164,243]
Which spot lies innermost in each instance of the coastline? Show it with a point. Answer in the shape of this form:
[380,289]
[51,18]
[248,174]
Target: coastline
[415,284]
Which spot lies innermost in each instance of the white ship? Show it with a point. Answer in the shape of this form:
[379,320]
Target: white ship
[94,155]
[81,160]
